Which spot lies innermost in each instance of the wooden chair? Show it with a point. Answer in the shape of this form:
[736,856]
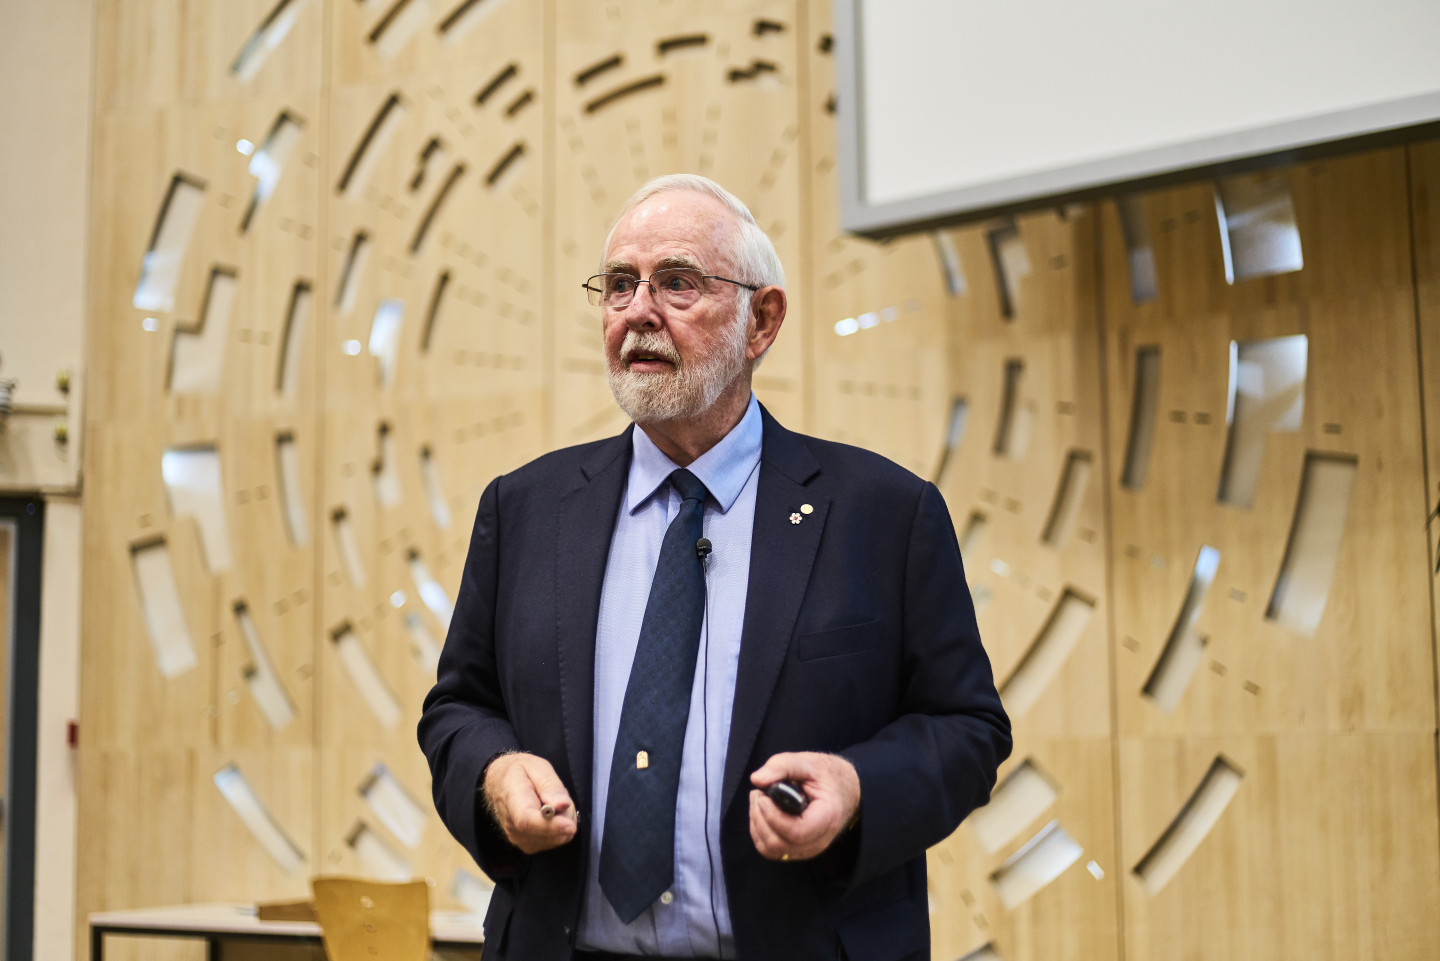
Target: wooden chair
[372,920]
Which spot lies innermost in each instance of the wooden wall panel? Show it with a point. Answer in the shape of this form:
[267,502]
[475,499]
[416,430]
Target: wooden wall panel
[1424,168]
[1354,302]
[150,746]
[1287,710]
[471,392]
[1036,563]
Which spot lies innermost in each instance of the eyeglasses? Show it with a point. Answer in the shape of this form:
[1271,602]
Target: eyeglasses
[673,286]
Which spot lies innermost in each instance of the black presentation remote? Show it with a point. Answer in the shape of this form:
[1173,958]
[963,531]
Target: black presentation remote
[788,797]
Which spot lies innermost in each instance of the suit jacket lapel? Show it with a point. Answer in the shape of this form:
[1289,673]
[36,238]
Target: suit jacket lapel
[781,556]
[585,523]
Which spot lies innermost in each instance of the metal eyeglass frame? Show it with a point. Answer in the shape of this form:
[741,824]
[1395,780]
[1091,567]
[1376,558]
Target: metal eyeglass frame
[647,283]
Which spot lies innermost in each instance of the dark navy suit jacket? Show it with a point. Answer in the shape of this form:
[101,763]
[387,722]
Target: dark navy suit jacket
[859,638]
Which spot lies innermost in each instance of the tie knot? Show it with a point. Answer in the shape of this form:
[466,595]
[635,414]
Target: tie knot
[688,485]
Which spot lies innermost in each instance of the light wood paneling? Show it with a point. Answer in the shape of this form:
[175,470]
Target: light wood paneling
[1424,169]
[1326,728]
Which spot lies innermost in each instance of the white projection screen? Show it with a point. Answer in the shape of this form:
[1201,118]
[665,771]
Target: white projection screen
[952,110]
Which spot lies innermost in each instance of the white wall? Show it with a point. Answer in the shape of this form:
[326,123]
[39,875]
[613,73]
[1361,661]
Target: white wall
[59,705]
[45,113]
[46,79]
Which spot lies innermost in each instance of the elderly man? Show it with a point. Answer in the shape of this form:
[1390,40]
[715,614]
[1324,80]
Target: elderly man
[650,623]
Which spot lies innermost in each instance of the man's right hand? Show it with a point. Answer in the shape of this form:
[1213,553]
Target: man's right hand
[516,787]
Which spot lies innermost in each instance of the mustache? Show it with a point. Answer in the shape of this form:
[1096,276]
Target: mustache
[649,342]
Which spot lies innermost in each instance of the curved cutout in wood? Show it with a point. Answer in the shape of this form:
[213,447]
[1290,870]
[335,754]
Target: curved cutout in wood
[596,69]
[401,22]
[1303,584]
[385,339]
[434,490]
[160,269]
[195,487]
[1018,800]
[430,590]
[954,434]
[1043,859]
[384,471]
[372,144]
[268,163]
[297,317]
[1184,649]
[380,861]
[347,547]
[1143,407]
[367,680]
[261,823]
[1012,434]
[1048,653]
[267,36]
[291,493]
[950,263]
[393,806]
[350,274]
[1069,496]
[688,41]
[505,164]
[160,603]
[197,354]
[1139,254]
[1258,233]
[1190,826]
[260,677]
[1012,264]
[520,103]
[465,17]
[1267,394]
[620,93]
[498,81]
[441,195]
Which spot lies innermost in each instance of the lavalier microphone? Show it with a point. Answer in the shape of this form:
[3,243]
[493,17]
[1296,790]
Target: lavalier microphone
[703,548]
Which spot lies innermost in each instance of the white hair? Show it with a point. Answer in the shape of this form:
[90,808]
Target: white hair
[750,250]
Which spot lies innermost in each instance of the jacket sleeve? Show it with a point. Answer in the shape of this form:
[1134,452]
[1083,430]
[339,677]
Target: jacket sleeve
[464,724]
[924,772]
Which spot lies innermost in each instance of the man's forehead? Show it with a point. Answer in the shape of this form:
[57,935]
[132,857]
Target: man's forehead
[672,224]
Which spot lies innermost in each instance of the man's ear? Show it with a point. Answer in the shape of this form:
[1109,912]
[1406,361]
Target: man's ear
[767,313]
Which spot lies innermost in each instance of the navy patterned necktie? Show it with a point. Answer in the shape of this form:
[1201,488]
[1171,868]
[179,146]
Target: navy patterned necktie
[637,854]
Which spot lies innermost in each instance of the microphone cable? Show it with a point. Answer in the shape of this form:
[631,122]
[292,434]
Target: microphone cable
[703,547]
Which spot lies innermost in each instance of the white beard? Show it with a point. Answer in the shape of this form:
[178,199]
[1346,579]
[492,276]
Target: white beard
[684,392]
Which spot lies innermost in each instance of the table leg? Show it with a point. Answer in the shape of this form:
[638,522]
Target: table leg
[97,944]
[212,949]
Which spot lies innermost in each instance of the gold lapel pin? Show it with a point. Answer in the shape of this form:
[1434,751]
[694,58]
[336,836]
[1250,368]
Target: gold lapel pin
[806,509]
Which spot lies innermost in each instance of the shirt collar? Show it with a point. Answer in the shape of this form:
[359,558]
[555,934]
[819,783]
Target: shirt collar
[723,469]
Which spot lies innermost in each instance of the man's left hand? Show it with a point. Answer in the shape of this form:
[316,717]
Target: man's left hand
[834,790]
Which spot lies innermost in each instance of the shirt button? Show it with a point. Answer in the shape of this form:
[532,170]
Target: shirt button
[666,898]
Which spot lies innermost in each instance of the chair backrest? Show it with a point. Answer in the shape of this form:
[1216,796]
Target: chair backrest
[373,920]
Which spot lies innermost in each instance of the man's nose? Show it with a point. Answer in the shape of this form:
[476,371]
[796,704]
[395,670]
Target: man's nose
[644,312]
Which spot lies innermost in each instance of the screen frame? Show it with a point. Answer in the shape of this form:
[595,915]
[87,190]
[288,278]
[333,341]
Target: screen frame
[1272,145]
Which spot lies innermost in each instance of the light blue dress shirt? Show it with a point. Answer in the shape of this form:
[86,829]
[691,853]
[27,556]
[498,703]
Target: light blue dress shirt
[686,926]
